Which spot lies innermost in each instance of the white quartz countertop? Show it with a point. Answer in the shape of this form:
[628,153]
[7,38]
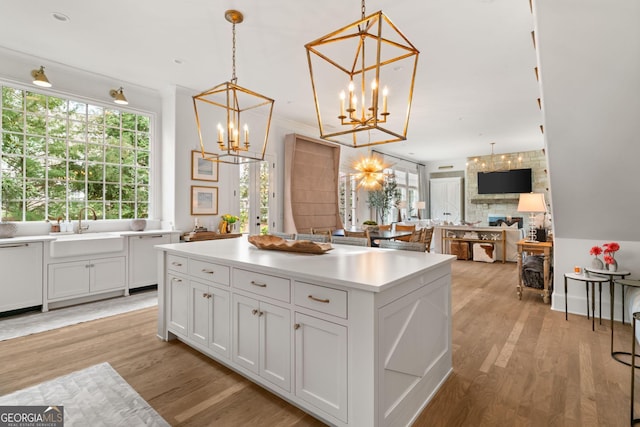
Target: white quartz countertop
[371,269]
[54,236]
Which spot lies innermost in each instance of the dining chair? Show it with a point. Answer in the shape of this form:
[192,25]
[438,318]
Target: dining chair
[354,241]
[286,236]
[364,233]
[400,227]
[405,246]
[384,227]
[327,231]
[322,238]
[427,237]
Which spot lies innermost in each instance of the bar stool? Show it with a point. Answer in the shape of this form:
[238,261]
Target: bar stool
[586,278]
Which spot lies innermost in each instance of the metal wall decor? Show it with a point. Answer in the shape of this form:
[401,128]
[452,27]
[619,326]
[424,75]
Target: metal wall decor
[362,77]
[233,118]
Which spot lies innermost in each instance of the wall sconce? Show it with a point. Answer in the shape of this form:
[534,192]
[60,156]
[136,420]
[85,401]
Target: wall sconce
[40,78]
[118,96]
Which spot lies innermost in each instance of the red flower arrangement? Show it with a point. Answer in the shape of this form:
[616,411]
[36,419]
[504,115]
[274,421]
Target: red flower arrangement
[610,250]
[596,250]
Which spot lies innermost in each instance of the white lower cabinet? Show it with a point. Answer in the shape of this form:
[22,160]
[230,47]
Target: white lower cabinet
[21,271]
[209,317]
[178,304]
[262,339]
[143,262]
[321,364]
[86,277]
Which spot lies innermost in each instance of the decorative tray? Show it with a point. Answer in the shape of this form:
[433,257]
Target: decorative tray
[275,243]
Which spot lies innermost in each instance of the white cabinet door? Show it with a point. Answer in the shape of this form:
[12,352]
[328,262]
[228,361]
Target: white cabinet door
[209,317]
[219,326]
[107,274]
[445,199]
[200,312]
[262,339]
[246,332]
[21,271]
[143,259]
[321,364]
[275,345]
[178,304]
[69,279]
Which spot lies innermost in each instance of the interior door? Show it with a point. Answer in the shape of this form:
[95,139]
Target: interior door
[445,199]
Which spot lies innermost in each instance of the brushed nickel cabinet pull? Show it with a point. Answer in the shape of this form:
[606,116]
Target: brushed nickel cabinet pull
[15,246]
[177,264]
[174,279]
[204,270]
[325,301]
[262,285]
[296,326]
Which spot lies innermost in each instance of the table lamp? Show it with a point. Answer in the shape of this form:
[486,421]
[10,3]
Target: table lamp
[533,203]
[419,206]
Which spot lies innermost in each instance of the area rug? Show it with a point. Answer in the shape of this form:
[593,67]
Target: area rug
[32,323]
[96,396]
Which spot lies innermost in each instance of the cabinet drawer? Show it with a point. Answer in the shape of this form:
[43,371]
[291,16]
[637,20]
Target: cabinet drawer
[177,263]
[320,298]
[262,284]
[209,271]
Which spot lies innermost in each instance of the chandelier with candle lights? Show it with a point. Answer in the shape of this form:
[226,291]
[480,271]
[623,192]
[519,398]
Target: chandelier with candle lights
[362,77]
[227,112]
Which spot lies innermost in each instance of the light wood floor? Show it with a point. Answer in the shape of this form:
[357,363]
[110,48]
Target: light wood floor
[516,363]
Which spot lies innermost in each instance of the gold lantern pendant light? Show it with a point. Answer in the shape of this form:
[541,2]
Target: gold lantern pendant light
[363,82]
[236,118]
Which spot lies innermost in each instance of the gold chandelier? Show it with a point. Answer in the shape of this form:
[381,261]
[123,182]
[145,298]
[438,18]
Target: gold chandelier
[370,172]
[361,77]
[232,111]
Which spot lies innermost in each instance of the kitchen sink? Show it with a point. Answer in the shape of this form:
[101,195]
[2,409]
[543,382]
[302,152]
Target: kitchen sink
[85,244]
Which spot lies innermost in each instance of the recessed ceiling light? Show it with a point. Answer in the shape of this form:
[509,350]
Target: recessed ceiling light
[60,17]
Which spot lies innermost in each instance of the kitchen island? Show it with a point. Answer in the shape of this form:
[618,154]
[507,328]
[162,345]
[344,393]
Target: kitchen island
[355,336]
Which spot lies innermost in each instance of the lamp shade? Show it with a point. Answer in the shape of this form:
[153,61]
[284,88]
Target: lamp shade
[421,205]
[532,202]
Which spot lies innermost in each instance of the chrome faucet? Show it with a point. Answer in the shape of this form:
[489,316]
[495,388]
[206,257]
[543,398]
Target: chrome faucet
[86,227]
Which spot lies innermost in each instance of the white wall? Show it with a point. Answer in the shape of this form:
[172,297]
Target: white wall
[589,59]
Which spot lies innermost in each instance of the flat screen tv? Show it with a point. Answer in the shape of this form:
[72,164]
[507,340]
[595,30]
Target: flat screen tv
[501,182]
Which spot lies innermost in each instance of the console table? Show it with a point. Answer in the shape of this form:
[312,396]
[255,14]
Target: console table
[457,233]
[536,248]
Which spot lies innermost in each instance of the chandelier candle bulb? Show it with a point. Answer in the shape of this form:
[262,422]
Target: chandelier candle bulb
[246,135]
[385,92]
[342,116]
[220,134]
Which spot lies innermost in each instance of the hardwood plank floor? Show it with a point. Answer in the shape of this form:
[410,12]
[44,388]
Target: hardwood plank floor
[516,363]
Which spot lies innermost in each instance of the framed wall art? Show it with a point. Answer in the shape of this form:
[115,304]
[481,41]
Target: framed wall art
[204,200]
[201,169]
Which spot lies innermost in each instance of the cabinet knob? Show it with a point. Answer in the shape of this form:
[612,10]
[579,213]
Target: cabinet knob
[205,295]
[260,313]
[296,326]
[254,311]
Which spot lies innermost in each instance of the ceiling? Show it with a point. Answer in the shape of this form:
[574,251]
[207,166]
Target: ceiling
[475,82]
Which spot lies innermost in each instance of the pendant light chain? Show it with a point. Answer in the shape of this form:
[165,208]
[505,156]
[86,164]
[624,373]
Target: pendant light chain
[234,79]
[363,10]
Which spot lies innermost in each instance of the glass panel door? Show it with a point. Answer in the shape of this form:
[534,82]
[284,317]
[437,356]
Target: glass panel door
[256,199]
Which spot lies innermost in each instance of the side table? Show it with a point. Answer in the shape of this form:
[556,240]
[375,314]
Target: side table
[617,354]
[544,248]
[586,278]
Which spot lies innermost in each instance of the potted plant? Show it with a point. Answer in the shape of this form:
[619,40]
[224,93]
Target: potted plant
[385,198]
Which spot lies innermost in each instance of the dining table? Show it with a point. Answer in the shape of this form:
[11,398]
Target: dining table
[377,235]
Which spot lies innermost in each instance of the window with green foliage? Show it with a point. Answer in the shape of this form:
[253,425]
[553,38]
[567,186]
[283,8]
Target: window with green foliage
[59,155]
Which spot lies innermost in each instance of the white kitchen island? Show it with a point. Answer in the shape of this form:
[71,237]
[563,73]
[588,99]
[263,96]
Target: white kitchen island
[356,336]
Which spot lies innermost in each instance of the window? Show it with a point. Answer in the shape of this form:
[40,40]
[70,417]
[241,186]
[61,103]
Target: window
[348,201]
[59,155]
[255,200]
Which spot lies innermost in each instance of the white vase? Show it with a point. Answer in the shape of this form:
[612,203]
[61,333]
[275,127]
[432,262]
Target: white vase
[613,266]
[597,264]
[7,229]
